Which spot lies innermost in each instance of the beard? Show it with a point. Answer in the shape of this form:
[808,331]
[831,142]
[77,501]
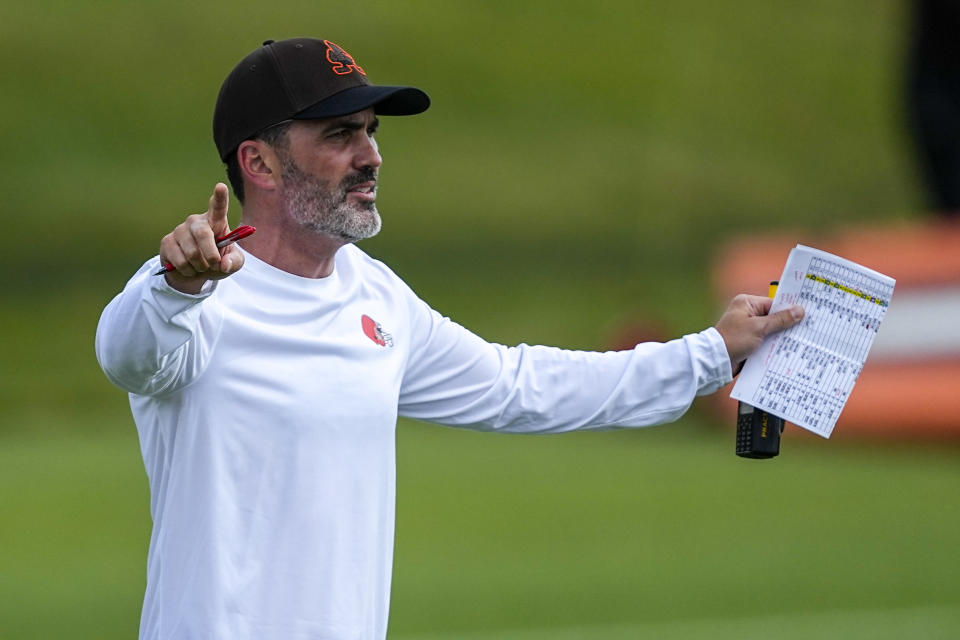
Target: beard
[317,206]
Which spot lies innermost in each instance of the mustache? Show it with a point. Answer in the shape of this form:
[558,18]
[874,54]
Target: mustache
[367,174]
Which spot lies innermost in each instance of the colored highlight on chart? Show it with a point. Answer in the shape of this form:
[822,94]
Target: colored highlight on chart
[842,287]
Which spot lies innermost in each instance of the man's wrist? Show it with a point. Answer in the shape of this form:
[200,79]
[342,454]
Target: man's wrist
[189,286]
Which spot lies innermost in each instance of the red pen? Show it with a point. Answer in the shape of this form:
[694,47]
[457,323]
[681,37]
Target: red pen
[239,233]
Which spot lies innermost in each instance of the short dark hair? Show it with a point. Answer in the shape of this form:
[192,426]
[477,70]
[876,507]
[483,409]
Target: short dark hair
[275,136]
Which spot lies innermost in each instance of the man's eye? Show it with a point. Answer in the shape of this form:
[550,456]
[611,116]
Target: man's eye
[340,134]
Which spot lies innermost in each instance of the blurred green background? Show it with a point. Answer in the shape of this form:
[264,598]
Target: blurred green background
[578,170]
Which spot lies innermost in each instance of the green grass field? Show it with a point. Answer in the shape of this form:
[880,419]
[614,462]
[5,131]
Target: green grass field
[661,533]
[577,172]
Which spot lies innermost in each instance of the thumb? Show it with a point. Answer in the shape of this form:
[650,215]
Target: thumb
[217,211]
[783,319]
[231,261]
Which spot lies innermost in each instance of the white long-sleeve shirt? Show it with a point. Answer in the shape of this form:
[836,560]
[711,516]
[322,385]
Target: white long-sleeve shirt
[266,408]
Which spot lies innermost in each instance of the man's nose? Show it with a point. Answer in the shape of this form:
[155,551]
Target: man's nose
[369,154]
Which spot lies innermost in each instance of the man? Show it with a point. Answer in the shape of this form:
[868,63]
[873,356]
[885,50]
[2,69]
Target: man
[266,379]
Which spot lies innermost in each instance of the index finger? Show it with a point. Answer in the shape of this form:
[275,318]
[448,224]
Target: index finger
[219,202]
[761,305]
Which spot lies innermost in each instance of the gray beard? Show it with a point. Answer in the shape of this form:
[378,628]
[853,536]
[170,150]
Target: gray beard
[315,206]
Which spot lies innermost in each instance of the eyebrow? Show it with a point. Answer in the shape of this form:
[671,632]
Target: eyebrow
[351,123]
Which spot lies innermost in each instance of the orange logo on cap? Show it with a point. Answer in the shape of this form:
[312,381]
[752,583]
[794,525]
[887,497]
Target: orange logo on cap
[340,61]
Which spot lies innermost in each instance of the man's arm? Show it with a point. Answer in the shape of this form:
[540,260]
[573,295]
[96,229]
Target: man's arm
[155,335]
[456,378]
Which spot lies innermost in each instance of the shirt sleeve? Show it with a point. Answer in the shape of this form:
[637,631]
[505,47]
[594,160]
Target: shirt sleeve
[153,339]
[455,378]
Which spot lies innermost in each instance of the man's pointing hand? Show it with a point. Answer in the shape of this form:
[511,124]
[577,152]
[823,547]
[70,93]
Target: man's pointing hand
[192,250]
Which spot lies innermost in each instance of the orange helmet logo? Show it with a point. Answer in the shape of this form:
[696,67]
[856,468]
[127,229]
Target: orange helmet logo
[340,61]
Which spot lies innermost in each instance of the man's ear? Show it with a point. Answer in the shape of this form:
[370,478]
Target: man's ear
[259,164]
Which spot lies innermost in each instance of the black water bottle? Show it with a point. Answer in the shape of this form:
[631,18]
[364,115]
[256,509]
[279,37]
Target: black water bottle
[758,432]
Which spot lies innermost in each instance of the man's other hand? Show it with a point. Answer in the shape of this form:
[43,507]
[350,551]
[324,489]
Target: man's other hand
[747,321]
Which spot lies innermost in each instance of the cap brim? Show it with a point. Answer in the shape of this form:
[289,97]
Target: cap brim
[387,101]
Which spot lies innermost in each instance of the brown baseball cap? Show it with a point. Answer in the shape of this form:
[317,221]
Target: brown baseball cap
[300,79]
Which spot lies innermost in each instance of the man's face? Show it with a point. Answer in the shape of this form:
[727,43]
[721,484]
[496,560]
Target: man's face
[329,175]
